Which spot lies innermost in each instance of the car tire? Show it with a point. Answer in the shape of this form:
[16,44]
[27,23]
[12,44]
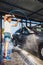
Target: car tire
[40,50]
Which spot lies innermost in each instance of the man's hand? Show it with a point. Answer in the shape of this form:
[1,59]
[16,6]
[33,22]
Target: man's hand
[14,25]
[13,15]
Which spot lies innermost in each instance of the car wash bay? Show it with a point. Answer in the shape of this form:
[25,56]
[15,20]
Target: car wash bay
[31,14]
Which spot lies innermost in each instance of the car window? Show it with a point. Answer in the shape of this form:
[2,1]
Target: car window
[25,31]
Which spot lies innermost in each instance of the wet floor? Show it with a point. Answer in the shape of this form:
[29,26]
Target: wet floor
[16,60]
[21,57]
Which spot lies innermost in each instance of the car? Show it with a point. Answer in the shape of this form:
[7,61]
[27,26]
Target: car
[30,39]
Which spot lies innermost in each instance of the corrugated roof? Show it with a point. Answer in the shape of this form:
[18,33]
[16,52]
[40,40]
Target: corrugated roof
[32,8]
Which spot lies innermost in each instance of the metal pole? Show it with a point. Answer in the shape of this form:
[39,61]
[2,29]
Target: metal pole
[0,39]
[30,23]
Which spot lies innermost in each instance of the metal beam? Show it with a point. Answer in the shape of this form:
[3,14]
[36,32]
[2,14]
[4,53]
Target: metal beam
[36,12]
[35,20]
[28,18]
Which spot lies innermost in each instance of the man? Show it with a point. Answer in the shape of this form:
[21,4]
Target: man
[7,33]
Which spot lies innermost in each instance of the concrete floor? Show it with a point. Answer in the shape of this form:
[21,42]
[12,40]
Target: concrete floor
[21,57]
[16,60]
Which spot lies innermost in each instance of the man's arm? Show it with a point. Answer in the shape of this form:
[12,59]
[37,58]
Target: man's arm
[14,25]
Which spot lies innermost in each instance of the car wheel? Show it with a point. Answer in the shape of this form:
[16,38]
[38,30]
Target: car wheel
[41,51]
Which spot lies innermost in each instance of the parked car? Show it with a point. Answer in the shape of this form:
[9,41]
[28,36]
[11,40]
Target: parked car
[30,39]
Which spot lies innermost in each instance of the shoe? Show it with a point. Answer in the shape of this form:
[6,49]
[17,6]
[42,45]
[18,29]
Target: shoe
[8,58]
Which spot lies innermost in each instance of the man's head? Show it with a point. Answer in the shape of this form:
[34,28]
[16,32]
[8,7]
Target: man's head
[9,18]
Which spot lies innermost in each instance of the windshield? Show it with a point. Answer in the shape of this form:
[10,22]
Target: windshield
[25,31]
